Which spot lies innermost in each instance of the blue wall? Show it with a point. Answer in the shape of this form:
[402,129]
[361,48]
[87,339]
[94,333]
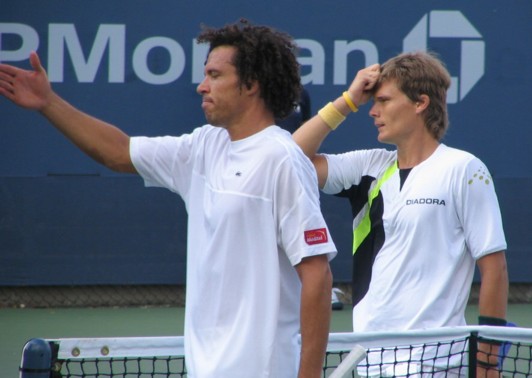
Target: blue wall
[66,220]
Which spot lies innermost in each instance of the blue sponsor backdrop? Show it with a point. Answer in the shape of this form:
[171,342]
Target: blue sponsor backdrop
[66,220]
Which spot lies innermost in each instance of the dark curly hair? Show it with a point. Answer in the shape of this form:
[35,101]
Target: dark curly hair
[263,55]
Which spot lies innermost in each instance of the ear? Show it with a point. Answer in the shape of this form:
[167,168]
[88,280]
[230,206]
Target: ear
[422,103]
[252,88]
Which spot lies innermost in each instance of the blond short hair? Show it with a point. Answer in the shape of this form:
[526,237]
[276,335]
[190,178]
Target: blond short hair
[418,73]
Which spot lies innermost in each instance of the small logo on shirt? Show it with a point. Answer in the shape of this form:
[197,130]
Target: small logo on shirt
[481,175]
[318,236]
[238,174]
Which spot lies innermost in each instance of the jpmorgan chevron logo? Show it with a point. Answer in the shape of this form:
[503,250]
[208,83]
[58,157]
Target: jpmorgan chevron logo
[452,24]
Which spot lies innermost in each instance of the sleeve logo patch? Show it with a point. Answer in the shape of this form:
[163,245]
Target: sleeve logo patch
[318,236]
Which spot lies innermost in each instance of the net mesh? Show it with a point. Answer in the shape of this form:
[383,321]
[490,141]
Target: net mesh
[429,359]
[160,366]
[444,352]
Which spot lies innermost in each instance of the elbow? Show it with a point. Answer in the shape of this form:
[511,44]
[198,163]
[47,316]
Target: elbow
[493,268]
[116,159]
[120,163]
[119,157]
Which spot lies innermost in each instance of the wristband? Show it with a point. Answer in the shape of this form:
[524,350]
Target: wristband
[490,320]
[350,102]
[331,116]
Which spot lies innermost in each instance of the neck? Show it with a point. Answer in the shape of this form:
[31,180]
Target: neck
[250,121]
[412,154]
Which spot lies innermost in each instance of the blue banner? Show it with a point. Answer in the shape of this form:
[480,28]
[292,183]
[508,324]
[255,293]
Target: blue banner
[64,219]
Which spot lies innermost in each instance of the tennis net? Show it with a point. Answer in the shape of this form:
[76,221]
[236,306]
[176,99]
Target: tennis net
[443,352]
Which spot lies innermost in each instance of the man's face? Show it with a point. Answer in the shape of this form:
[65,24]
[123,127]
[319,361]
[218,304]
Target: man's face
[220,89]
[394,114]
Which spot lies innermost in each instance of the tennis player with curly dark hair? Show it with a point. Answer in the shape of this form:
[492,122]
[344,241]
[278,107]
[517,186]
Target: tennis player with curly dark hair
[258,247]
[264,56]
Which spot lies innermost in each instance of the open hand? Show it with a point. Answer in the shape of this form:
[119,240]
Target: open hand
[27,88]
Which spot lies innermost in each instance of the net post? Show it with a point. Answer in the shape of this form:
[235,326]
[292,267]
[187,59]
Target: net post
[36,359]
[472,357]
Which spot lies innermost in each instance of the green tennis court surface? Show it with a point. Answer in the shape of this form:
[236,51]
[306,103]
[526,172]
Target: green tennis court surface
[19,325]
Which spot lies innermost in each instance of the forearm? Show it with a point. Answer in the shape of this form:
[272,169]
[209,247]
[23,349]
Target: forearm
[312,133]
[315,320]
[493,301]
[101,141]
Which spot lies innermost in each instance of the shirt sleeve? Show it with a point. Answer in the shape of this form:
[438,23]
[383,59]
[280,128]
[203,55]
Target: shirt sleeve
[303,231]
[347,169]
[479,211]
[163,161]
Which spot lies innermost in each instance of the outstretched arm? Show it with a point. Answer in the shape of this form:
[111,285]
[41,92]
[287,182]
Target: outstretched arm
[312,133]
[31,89]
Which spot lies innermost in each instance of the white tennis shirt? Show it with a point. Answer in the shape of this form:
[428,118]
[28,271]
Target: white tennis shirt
[419,258]
[253,213]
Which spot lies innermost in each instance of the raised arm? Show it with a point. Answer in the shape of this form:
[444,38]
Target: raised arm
[312,133]
[31,89]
